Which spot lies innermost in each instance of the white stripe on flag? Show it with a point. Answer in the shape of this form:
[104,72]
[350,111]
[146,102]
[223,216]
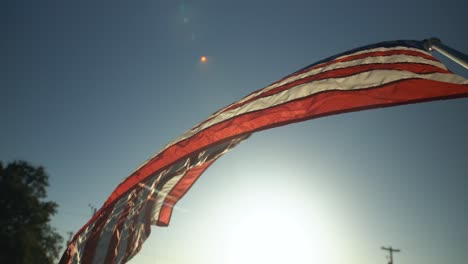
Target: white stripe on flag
[383,49]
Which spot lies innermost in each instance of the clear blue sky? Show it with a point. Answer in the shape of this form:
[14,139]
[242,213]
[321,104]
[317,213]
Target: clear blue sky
[91,89]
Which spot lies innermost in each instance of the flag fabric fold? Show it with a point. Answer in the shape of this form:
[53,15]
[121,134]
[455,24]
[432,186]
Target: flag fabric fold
[379,75]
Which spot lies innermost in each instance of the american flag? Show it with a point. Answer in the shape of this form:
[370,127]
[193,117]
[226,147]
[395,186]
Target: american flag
[379,75]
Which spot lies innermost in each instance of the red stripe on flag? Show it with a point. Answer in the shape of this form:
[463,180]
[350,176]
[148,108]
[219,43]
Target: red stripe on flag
[345,72]
[153,165]
[179,190]
[417,90]
[67,257]
[91,244]
[131,237]
[112,250]
[364,55]
[342,72]
[351,57]
[149,211]
[334,102]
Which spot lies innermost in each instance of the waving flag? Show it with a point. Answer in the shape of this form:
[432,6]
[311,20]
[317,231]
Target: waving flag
[380,75]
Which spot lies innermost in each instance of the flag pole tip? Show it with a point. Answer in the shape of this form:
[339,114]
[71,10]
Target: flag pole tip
[431,42]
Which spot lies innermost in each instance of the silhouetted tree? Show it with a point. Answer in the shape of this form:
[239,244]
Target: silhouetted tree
[25,233]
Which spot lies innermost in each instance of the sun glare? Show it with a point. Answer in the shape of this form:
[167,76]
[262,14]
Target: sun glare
[274,229]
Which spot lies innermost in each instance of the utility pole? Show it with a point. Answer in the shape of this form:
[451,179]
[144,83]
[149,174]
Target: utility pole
[93,209]
[70,236]
[390,250]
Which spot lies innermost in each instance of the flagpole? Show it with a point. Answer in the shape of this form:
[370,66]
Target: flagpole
[455,55]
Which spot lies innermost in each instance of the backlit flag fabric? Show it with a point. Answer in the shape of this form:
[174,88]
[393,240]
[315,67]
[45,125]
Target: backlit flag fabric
[379,75]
